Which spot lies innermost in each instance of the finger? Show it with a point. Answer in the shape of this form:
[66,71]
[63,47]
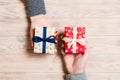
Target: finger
[78,55]
[87,49]
[56,34]
[63,53]
[56,42]
[86,55]
[31,35]
[55,50]
[61,36]
[32,31]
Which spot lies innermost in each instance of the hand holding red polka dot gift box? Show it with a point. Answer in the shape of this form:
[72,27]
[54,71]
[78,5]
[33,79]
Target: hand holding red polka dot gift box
[74,38]
[44,40]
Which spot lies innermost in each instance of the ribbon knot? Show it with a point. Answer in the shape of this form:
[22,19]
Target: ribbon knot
[50,39]
[74,41]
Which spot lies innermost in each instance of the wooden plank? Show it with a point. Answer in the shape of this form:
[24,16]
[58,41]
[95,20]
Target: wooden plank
[104,45]
[81,9]
[95,27]
[11,11]
[31,76]
[86,2]
[103,76]
[42,63]
[54,76]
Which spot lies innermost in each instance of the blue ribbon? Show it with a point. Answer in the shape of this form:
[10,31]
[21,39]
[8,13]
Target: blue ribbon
[50,39]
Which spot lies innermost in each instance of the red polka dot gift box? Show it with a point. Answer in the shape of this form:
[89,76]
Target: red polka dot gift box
[74,40]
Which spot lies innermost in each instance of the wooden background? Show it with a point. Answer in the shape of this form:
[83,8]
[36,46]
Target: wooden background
[101,18]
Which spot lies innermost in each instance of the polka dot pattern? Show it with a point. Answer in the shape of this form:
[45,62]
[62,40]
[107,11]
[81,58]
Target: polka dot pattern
[68,32]
[50,47]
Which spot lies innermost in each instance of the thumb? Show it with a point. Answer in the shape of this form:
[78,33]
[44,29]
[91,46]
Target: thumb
[32,32]
[63,53]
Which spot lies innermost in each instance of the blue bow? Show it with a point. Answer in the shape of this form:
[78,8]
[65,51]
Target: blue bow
[38,39]
[50,39]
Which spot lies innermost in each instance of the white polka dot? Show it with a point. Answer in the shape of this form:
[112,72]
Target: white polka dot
[66,29]
[81,49]
[67,34]
[66,50]
[80,37]
[69,30]
[80,32]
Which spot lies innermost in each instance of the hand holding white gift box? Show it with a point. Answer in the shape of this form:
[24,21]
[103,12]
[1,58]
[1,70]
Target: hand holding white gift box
[44,40]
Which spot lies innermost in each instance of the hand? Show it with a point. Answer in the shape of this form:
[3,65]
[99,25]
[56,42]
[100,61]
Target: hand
[76,63]
[39,21]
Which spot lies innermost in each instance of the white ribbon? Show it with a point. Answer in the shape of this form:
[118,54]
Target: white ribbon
[74,41]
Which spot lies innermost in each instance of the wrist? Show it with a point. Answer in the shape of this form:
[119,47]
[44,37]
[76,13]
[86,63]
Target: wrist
[79,71]
[76,76]
[37,18]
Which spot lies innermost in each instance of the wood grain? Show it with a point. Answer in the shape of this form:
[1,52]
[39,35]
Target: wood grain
[101,19]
